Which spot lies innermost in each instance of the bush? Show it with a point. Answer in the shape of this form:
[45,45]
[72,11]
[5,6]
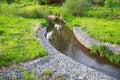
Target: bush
[76,7]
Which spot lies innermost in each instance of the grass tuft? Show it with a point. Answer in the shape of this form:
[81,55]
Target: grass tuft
[102,50]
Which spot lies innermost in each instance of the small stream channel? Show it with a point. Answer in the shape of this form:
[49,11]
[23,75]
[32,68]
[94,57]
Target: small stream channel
[62,38]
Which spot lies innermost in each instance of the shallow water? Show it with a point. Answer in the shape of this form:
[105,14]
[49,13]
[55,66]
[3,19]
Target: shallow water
[62,38]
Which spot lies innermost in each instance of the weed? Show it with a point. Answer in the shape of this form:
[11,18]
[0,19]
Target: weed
[46,58]
[28,75]
[47,72]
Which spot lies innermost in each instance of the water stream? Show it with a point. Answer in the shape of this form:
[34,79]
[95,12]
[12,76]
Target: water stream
[62,38]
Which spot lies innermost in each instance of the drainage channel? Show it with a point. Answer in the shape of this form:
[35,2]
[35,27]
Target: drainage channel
[62,38]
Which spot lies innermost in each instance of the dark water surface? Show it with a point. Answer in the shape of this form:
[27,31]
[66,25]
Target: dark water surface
[62,38]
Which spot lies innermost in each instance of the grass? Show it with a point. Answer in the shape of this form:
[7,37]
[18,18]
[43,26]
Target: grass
[104,30]
[18,41]
[102,51]
[101,24]
[103,12]
[32,74]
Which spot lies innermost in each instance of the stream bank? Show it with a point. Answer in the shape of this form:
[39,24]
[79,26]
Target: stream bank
[61,65]
[62,38]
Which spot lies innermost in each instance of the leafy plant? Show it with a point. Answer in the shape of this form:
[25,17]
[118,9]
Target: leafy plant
[28,75]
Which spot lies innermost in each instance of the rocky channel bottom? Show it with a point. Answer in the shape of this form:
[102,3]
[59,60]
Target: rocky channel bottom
[61,66]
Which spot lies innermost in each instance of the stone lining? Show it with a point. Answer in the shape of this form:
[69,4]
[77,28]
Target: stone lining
[61,66]
[88,42]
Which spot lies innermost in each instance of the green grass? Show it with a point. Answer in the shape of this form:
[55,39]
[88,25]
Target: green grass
[103,12]
[18,41]
[104,30]
[101,50]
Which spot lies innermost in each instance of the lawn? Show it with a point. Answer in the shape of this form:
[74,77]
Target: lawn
[102,29]
[18,41]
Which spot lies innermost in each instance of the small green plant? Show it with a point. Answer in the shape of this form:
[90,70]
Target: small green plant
[28,75]
[47,72]
[46,58]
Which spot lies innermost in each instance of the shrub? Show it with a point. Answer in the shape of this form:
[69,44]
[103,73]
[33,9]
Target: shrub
[76,7]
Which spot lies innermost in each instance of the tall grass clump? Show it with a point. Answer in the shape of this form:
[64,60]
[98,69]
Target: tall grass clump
[6,9]
[76,7]
[34,11]
[101,50]
[102,12]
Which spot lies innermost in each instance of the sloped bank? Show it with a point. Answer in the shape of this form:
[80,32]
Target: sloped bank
[89,42]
